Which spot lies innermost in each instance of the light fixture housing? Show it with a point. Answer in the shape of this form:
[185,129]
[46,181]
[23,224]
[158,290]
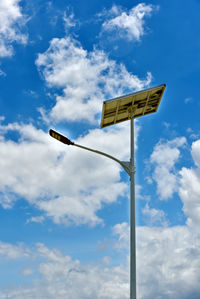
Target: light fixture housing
[60,137]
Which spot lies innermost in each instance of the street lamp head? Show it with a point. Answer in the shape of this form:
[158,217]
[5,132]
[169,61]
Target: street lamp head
[60,137]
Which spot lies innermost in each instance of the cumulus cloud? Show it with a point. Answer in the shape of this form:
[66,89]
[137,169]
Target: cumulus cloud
[11,22]
[164,157]
[59,276]
[189,190]
[185,181]
[129,24]
[168,263]
[86,79]
[65,183]
[167,260]
[167,267]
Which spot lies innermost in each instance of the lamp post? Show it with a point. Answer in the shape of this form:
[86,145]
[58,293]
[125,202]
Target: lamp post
[115,111]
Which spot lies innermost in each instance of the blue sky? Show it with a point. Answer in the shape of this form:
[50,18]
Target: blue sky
[64,212]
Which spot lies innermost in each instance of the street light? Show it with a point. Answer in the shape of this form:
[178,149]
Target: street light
[115,111]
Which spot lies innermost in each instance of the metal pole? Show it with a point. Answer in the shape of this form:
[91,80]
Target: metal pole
[132,217]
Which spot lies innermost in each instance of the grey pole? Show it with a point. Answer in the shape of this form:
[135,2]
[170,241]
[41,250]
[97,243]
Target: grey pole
[129,167]
[132,216]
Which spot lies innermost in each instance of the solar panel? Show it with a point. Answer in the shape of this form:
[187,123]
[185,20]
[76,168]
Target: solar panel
[142,103]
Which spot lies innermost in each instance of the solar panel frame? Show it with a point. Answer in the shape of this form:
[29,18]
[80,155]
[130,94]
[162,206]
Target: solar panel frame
[142,103]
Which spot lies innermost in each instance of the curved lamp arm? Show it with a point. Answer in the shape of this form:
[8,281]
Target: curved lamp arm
[65,140]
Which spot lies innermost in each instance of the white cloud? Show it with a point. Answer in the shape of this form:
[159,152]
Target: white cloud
[154,216]
[129,24]
[122,231]
[168,263]
[87,78]
[164,157]
[168,266]
[65,183]
[101,139]
[10,251]
[11,21]
[36,219]
[60,275]
[185,181]
[189,190]
[27,272]
[69,20]
[31,93]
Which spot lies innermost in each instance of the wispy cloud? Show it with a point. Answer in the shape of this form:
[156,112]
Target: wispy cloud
[154,216]
[11,22]
[129,24]
[10,251]
[36,219]
[188,100]
[2,73]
